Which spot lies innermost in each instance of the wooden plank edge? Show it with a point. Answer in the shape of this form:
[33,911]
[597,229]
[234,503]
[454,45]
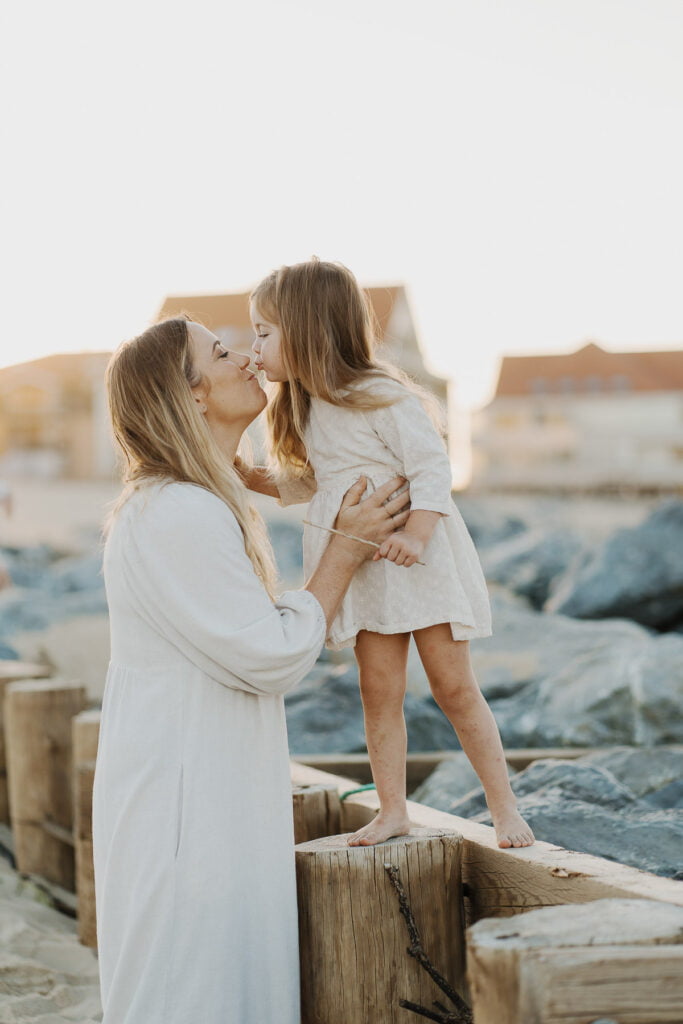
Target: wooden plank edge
[560,875]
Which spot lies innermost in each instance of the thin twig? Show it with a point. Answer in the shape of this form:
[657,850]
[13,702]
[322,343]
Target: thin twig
[464,1014]
[349,536]
[422,1011]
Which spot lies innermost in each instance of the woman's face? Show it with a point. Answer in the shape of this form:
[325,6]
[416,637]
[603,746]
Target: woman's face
[229,393]
[267,346]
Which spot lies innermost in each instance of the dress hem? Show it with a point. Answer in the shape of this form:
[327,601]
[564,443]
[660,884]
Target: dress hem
[458,632]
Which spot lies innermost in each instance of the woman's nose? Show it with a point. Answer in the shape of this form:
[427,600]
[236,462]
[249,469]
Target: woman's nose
[243,361]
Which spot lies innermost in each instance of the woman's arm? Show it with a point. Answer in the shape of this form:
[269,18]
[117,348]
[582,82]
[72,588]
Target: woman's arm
[370,519]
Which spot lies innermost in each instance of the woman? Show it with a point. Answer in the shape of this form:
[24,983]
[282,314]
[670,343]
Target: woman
[192,820]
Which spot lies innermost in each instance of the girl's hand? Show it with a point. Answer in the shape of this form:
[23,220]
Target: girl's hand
[402,548]
[370,518]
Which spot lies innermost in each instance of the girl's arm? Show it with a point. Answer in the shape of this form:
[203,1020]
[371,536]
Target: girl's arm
[257,478]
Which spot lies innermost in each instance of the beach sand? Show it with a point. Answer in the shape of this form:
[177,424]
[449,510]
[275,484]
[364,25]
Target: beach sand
[46,975]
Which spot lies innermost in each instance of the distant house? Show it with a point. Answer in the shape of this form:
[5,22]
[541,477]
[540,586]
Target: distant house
[53,418]
[228,317]
[591,419]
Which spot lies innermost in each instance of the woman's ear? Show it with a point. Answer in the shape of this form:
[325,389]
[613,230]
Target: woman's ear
[199,394]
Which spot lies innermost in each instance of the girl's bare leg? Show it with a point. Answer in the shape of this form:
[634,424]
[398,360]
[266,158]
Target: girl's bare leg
[456,691]
[382,669]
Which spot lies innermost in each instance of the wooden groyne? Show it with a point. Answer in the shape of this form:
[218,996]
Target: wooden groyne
[361,957]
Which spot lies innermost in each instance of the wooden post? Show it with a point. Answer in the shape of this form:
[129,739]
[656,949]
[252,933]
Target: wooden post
[615,959]
[12,672]
[353,940]
[39,763]
[84,775]
[85,735]
[317,812]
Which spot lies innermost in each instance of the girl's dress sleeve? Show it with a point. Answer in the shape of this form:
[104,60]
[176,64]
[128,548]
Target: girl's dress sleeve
[407,431]
[197,587]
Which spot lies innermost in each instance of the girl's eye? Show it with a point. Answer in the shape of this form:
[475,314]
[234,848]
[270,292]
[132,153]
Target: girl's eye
[261,335]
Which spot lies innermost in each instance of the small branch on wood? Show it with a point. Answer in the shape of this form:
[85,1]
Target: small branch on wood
[463,1014]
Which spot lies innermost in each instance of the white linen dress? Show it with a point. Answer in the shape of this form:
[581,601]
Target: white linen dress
[192,809]
[397,440]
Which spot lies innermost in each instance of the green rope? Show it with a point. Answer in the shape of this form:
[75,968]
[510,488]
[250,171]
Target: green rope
[360,789]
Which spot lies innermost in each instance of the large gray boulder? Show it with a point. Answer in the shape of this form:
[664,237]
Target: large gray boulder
[556,681]
[450,781]
[529,562]
[328,716]
[582,805]
[643,770]
[636,573]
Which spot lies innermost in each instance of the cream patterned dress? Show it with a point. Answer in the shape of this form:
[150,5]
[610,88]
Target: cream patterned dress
[382,443]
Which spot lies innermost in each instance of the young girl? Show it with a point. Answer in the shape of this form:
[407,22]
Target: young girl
[338,414]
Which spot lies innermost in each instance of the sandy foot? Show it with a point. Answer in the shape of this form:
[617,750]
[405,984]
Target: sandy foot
[511,829]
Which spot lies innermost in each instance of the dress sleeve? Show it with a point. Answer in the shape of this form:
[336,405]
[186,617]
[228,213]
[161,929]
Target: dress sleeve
[296,490]
[198,588]
[407,431]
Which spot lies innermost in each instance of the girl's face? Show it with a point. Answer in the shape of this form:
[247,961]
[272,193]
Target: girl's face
[267,346]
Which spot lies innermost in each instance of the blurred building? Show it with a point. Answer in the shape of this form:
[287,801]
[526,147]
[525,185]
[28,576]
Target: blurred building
[53,418]
[588,420]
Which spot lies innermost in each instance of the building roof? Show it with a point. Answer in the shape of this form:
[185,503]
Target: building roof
[591,368]
[232,310]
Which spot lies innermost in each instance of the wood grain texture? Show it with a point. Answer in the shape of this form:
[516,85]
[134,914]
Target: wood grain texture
[317,812]
[84,775]
[500,883]
[353,940]
[616,959]
[39,758]
[12,672]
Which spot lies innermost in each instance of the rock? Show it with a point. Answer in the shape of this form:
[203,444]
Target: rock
[634,574]
[77,649]
[77,574]
[450,781]
[487,520]
[643,770]
[558,681]
[529,562]
[649,840]
[329,717]
[582,805]
[287,541]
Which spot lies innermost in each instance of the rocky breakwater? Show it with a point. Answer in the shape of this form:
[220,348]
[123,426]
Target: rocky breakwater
[622,803]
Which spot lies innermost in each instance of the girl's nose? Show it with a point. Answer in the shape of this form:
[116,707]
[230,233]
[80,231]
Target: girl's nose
[256,347]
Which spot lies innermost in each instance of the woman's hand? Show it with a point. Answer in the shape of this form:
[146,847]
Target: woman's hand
[374,518]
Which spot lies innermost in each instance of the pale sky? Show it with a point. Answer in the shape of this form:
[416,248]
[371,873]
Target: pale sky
[518,164]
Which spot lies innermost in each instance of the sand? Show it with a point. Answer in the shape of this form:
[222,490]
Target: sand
[46,975]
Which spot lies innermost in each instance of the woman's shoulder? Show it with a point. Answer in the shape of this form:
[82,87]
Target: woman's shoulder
[170,504]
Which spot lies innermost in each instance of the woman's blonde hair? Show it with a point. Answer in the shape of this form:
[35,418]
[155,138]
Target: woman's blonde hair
[163,436]
[328,331]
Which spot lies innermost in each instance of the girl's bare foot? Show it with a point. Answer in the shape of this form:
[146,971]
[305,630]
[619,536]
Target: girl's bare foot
[511,829]
[381,828]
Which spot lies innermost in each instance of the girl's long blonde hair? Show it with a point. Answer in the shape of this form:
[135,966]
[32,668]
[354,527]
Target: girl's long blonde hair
[328,331]
[163,436]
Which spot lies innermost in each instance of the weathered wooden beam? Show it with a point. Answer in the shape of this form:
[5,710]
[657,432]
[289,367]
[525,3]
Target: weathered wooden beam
[39,760]
[85,735]
[317,812]
[84,775]
[12,672]
[499,883]
[354,960]
[419,766]
[615,959]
